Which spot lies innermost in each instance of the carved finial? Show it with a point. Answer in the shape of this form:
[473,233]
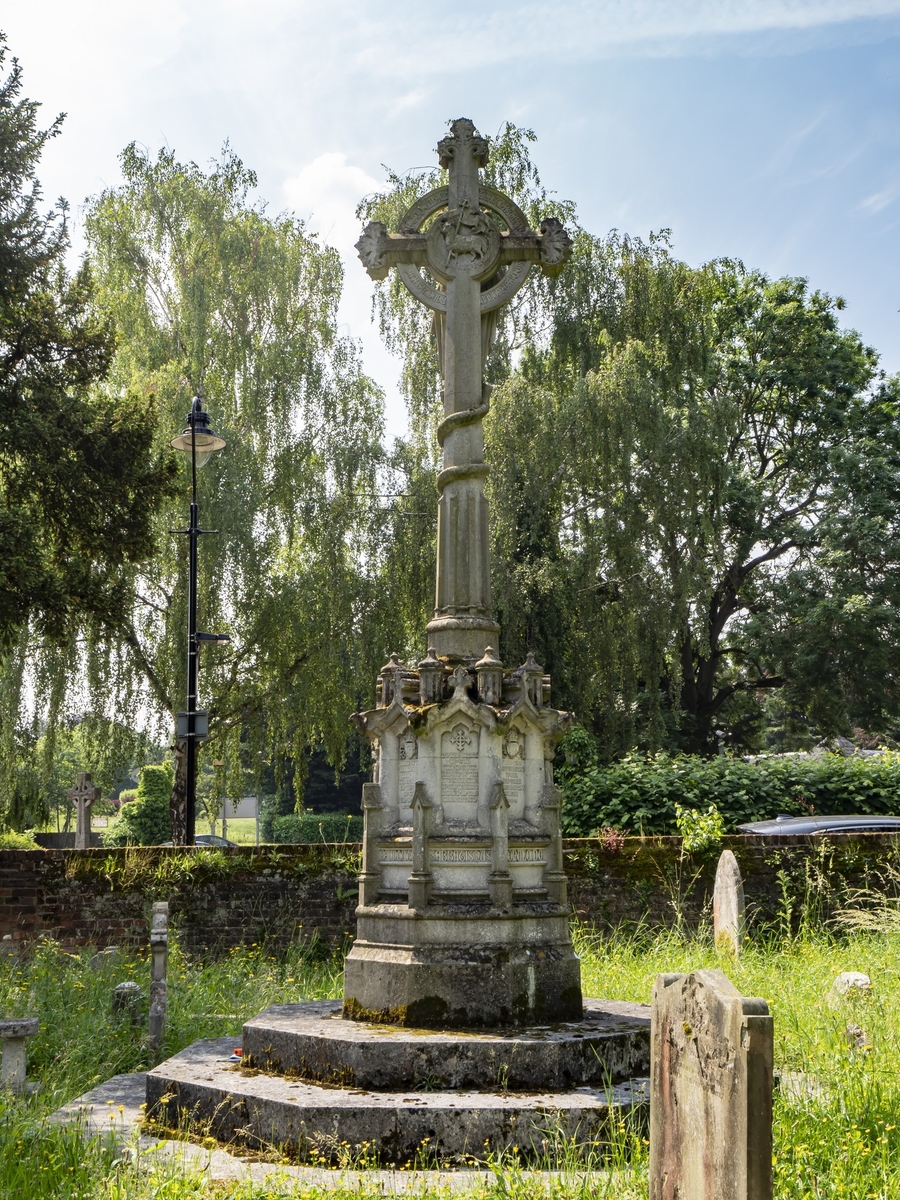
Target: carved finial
[431,678]
[462,681]
[463,135]
[556,246]
[488,660]
[372,248]
[498,795]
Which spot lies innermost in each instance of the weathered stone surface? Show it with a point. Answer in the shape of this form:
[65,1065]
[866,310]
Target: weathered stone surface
[442,967]
[14,1031]
[729,923]
[462,810]
[258,1110]
[711,1091]
[849,985]
[83,796]
[105,958]
[311,1040]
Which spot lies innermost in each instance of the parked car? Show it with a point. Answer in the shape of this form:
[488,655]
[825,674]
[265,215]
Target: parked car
[206,839]
[784,824]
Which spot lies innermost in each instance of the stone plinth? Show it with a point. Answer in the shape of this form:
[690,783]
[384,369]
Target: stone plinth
[463,916]
[312,1041]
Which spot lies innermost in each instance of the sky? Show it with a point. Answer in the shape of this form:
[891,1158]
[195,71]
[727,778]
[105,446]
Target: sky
[764,130]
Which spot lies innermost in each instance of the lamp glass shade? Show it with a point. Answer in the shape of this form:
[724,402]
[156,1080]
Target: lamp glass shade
[206,443]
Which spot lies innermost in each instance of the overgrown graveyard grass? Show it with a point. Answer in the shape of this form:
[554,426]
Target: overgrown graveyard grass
[836,1117]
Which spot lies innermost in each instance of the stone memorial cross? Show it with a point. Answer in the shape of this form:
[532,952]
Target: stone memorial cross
[465,265]
[83,795]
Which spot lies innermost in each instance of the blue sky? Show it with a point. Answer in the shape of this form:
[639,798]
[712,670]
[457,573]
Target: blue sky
[767,130]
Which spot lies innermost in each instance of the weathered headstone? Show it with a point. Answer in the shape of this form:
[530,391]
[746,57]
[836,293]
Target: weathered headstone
[14,1031]
[83,795]
[728,906]
[105,958]
[849,985]
[710,1092]
[159,950]
[128,1001]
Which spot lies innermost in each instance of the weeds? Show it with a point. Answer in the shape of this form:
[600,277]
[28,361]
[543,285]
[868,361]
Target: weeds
[836,1123]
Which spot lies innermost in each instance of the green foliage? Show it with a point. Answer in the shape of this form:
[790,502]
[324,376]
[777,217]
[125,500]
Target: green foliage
[13,840]
[641,792]
[80,483]
[694,484]
[317,827]
[700,830]
[145,820]
[207,291]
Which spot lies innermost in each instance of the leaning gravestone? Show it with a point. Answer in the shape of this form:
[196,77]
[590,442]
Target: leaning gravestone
[728,906]
[711,1080]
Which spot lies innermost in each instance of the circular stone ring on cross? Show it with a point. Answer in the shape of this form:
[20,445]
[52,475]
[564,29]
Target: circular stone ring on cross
[463,242]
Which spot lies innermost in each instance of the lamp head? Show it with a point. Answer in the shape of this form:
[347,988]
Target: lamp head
[198,437]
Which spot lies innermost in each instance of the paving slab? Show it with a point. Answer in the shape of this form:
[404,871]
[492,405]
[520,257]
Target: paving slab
[199,1089]
[314,1042]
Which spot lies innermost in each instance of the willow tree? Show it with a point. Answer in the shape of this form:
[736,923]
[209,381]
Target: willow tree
[208,293]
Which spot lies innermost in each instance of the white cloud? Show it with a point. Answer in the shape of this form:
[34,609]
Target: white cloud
[878,201]
[326,193]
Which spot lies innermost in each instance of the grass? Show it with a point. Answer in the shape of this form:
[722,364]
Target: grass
[836,1138]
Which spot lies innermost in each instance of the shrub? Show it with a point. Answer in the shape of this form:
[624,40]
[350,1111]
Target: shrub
[145,820]
[640,792]
[17,841]
[317,827]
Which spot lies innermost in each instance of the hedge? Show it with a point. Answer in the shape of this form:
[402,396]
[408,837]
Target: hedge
[317,827]
[639,793]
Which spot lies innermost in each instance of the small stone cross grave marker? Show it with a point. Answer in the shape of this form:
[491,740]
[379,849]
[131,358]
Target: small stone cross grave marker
[711,1079]
[728,906]
[83,795]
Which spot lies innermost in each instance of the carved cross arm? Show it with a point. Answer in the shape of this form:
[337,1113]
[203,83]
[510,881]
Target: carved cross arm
[551,248]
[379,250]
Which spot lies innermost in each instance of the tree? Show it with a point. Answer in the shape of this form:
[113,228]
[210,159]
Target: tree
[145,820]
[207,291]
[694,473]
[79,484]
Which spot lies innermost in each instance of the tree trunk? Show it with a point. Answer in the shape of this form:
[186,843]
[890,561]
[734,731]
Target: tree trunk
[178,803]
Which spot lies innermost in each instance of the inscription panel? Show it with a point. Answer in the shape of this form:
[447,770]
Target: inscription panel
[462,857]
[459,769]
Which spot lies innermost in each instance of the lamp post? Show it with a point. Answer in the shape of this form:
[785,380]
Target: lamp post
[199,441]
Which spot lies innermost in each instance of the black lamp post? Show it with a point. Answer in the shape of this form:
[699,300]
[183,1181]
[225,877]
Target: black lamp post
[199,441]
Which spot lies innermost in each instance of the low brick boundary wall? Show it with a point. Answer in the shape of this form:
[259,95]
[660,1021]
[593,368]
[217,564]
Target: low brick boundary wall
[219,899]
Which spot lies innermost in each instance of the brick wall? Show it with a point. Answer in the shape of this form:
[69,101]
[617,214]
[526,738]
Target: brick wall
[277,893]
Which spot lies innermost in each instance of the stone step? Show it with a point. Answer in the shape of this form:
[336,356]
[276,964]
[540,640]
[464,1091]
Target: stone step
[313,1042]
[199,1091]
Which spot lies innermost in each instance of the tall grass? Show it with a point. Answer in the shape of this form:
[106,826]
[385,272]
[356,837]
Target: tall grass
[836,1116]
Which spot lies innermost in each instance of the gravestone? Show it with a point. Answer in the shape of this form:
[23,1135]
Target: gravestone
[83,795]
[728,906]
[159,965]
[711,1080]
[463,916]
